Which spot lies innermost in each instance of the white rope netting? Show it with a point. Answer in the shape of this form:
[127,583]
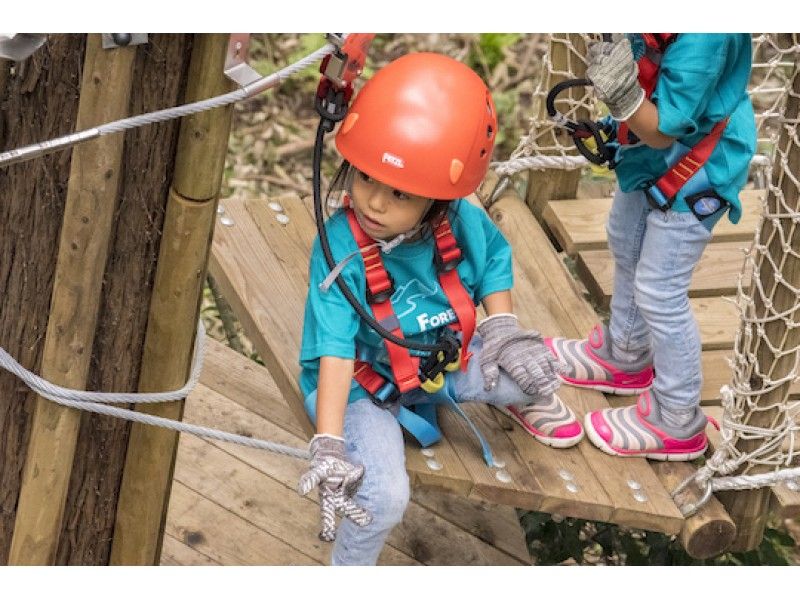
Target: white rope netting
[761,425]
[547,146]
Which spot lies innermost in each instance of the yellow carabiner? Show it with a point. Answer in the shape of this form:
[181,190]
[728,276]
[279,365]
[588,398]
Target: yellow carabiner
[433,386]
[454,365]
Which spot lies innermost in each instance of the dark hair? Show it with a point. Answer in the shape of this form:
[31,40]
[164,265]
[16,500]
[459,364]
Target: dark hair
[438,209]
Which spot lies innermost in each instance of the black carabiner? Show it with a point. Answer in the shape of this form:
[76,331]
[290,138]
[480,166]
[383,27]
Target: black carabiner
[580,130]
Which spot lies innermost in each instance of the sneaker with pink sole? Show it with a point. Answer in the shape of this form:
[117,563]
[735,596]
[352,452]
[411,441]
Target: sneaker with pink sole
[549,421]
[589,364]
[639,431]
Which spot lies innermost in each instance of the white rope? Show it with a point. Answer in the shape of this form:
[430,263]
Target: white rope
[101,402]
[766,358]
[539,162]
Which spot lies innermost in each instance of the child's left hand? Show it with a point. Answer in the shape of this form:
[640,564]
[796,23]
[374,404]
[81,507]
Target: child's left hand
[521,353]
[613,71]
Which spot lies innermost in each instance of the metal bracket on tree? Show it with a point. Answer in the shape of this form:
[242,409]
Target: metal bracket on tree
[122,40]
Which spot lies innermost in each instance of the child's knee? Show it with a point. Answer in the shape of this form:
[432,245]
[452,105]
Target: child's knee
[389,501]
[658,297]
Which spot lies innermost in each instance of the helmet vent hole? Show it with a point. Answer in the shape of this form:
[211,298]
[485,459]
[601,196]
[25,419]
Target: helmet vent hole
[483,152]
[489,131]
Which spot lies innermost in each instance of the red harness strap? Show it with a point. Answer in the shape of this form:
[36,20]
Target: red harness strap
[685,168]
[405,368]
[447,258]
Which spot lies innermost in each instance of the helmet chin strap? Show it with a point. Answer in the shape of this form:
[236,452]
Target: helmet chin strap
[385,247]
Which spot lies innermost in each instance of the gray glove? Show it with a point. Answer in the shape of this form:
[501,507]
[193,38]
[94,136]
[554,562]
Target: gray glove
[338,480]
[521,353]
[614,74]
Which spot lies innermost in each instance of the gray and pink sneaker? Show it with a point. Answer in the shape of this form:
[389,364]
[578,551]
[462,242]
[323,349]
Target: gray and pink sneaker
[589,364]
[639,431]
[549,421]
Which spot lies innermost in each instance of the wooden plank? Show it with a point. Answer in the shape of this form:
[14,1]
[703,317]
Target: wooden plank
[570,314]
[268,303]
[718,320]
[256,498]
[715,275]
[580,224]
[245,266]
[422,533]
[174,552]
[214,531]
[77,290]
[542,270]
[494,524]
[248,384]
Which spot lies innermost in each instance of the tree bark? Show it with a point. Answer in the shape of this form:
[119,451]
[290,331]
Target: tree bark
[148,159]
[39,101]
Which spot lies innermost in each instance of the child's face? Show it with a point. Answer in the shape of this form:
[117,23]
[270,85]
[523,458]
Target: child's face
[384,212]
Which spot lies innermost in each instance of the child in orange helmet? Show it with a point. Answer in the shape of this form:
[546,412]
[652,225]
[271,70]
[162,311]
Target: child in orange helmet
[417,139]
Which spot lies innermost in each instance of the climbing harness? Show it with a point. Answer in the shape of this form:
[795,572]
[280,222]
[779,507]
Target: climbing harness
[448,353]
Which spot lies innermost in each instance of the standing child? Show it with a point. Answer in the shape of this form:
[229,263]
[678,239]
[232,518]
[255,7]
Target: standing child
[668,94]
[417,139]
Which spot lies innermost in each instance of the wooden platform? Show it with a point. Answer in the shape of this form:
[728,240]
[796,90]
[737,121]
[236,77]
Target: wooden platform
[261,267]
[232,505]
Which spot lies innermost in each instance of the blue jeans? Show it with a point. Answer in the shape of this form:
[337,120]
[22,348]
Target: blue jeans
[655,254]
[373,438]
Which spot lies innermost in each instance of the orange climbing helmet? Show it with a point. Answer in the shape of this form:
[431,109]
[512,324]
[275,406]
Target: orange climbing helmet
[425,124]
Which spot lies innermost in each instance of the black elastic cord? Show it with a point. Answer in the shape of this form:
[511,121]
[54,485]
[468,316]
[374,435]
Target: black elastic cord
[326,250]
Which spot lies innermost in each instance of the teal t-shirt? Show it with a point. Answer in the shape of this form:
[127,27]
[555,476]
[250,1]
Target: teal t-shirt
[703,78]
[331,326]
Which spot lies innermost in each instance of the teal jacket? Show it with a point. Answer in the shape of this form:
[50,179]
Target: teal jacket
[331,326]
[703,78]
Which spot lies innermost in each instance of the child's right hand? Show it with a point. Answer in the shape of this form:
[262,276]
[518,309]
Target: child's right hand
[338,480]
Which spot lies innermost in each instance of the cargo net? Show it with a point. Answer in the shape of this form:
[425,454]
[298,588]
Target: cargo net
[547,145]
[761,424]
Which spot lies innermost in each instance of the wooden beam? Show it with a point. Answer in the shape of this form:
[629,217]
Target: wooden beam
[174,309]
[714,276]
[91,203]
[544,185]
[580,224]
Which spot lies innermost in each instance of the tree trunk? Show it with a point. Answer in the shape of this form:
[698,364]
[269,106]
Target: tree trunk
[148,159]
[27,259]
[39,101]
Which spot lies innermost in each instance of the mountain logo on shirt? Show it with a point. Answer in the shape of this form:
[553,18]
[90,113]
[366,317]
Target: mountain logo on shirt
[404,298]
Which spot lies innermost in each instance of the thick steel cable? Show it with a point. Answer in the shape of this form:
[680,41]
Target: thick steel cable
[99,402]
[45,147]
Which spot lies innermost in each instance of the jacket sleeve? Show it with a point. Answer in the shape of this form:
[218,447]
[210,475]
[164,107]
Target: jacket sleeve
[330,323]
[690,71]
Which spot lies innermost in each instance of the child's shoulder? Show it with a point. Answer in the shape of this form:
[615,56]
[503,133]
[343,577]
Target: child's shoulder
[464,214]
